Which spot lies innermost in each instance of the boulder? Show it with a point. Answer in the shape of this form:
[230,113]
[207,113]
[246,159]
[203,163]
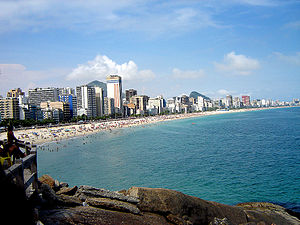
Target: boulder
[67,190]
[46,179]
[48,195]
[66,200]
[56,185]
[91,215]
[218,221]
[85,192]
[268,213]
[63,184]
[107,203]
[181,207]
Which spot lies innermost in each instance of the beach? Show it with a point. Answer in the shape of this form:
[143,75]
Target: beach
[38,136]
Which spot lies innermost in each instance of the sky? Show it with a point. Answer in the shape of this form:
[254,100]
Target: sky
[171,47]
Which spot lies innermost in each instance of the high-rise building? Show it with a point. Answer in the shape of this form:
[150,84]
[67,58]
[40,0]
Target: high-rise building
[201,103]
[86,101]
[66,91]
[228,101]
[140,102]
[185,99]
[60,110]
[9,108]
[99,101]
[24,112]
[246,100]
[72,100]
[38,95]
[15,93]
[155,105]
[129,93]
[114,90]
[236,102]
[109,107]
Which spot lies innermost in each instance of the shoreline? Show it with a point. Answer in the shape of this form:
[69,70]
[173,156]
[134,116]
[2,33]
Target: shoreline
[40,136]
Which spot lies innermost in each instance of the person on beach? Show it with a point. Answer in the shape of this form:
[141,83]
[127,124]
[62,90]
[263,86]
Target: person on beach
[12,144]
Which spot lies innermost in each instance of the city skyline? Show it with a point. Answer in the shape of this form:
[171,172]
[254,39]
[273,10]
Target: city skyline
[245,47]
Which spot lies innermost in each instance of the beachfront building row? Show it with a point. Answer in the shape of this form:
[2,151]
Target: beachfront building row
[98,99]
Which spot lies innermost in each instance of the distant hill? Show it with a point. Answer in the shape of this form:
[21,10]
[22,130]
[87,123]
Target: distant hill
[100,84]
[195,94]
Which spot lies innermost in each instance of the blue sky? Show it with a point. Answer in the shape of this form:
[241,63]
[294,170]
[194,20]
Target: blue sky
[158,47]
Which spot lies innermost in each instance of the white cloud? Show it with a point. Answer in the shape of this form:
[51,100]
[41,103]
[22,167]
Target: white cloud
[292,59]
[238,64]
[153,17]
[187,74]
[223,92]
[102,66]
[293,25]
[258,2]
[92,15]
[17,75]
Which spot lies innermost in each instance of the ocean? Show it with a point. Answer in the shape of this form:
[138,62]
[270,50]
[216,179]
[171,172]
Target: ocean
[227,158]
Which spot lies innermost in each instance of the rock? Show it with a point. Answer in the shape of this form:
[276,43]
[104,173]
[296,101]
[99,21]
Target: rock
[63,184]
[67,200]
[183,207]
[91,215]
[56,185]
[124,192]
[67,190]
[177,220]
[218,221]
[48,195]
[268,213]
[85,192]
[46,179]
[153,206]
[113,205]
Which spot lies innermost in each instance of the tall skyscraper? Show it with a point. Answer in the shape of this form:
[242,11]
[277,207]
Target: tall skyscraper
[140,102]
[9,108]
[86,101]
[66,91]
[99,101]
[58,110]
[114,90]
[38,95]
[109,106]
[72,100]
[228,101]
[129,93]
[246,100]
[201,103]
[15,93]
[236,102]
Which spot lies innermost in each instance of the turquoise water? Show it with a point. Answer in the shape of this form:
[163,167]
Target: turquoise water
[229,158]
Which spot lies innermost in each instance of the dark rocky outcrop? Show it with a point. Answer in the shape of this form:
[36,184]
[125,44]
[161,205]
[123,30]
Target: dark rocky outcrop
[268,212]
[113,205]
[138,205]
[91,215]
[85,192]
[67,190]
[187,209]
[46,179]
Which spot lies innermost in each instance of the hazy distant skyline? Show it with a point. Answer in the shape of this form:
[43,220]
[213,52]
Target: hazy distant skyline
[158,47]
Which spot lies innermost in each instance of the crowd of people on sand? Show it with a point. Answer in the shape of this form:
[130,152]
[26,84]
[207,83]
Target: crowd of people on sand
[44,135]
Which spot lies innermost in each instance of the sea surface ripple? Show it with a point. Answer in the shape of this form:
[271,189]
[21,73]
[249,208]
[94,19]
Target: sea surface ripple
[228,158]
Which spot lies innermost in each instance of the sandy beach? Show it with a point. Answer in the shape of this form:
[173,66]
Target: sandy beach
[39,136]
